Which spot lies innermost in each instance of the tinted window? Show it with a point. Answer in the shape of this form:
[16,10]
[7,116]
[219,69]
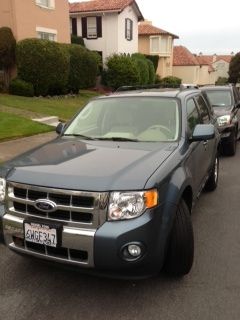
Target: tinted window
[193,117]
[220,98]
[203,109]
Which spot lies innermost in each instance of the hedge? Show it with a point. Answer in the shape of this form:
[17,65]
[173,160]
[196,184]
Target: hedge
[45,64]
[154,59]
[122,70]
[170,80]
[21,88]
[151,72]
[143,68]
[83,68]
[77,40]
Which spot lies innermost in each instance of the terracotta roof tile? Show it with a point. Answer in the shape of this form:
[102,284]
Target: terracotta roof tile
[102,5]
[226,58]
[148,29]
[183,57]
[205,60]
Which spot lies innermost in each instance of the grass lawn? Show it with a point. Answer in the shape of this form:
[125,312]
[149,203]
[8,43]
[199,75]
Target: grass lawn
[12,126]
[64,108]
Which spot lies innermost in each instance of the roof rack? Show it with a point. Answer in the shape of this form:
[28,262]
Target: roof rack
[148,86]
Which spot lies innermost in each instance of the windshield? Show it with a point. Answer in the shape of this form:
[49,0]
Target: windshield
[221,98]
[128,119]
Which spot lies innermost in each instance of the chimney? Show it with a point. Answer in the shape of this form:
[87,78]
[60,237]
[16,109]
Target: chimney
[146,22]
[200,54]
[214,57]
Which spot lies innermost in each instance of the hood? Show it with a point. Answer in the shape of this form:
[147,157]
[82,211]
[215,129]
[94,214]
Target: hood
[222,111]
[92,166]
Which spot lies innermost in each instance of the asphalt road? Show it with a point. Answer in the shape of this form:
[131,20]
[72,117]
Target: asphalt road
[33,290]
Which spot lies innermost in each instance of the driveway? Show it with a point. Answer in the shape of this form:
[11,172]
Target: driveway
[33,290]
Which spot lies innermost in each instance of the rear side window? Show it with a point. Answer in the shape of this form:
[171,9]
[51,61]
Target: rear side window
[193,117]
[203,108]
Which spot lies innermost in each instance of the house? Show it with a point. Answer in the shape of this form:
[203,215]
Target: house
[156,41]
[191,68]
[107,26]
[44,19]
[220,63]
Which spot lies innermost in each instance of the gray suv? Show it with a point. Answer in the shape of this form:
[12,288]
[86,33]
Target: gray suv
[113,194]
[225,101]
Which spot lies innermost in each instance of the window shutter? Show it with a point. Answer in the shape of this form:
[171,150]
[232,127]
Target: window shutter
[125,28]
[74,26]
[99,27]
[84,27]
[131,28]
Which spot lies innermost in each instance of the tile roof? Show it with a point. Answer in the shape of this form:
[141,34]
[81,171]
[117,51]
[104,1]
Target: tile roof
[148,29]
[103,5]
[226,58]
[204,60]
[183,57]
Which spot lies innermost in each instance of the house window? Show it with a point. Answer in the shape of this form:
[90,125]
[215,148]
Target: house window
[161,45]
[46,34]
[46,3]
[92,27]
[128,29]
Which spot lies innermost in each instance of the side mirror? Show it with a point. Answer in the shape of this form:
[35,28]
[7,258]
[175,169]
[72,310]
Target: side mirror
[203,132]
[60,127]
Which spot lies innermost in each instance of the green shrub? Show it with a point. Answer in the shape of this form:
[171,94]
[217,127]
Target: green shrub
[151,72]
[7,54]
[20,87]
[83,68]
[158,79]
[77,40]
[122,70]
[154,59]
[45,64]
[143,69]
[170,80]
[221,81]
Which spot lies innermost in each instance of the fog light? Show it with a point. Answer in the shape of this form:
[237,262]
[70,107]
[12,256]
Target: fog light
[134,250]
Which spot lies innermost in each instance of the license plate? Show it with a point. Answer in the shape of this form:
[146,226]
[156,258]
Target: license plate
[41,234]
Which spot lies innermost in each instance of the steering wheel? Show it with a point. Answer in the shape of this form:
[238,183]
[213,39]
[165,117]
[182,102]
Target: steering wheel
[164,130]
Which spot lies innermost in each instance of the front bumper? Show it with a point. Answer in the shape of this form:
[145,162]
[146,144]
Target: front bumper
[100,251]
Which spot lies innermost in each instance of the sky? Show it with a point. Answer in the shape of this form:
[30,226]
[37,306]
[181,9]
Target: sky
[207,26]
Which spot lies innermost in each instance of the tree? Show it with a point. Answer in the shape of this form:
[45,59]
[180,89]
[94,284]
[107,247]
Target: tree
[234,69]
[7,53]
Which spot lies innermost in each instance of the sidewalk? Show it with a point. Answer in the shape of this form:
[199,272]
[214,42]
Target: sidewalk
[10,149]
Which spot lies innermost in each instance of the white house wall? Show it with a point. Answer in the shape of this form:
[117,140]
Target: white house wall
[124,45]
[222,68]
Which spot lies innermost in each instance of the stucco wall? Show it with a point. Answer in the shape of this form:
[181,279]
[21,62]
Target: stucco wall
[206,77]
[27,16]
[125,46]
[144,44]
[108,43]
[6,14]
[188,74]
[222,68]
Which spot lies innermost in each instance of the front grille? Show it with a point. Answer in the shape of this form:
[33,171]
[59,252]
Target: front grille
[80,207]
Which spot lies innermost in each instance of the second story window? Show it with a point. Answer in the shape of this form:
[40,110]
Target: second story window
[92,27]
[46,3]
[161,45]
[128,29]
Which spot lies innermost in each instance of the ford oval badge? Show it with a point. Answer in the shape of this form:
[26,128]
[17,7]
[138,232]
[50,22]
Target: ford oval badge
[45,205]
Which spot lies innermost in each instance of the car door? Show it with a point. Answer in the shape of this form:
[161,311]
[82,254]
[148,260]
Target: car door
[236,110]
[197,156]
[209,145]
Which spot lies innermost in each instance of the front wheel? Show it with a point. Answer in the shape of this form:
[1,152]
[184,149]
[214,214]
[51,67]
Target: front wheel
[180,252]
[212,181]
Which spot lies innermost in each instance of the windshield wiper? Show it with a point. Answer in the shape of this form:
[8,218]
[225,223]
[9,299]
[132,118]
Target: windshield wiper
[79,135]
[117,139]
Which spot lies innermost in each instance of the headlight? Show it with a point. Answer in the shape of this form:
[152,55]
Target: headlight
[129,205]
[223,120]
[2,189]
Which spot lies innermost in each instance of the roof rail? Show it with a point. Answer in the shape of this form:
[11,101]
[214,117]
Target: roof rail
[148,86]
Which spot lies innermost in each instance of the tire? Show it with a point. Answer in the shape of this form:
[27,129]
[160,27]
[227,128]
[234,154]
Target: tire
[229,149]
[180,253]
[212,181]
